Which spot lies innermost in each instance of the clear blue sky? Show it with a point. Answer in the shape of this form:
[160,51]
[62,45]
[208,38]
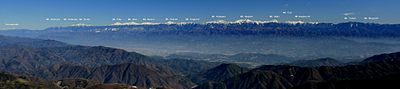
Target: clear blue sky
[31,14]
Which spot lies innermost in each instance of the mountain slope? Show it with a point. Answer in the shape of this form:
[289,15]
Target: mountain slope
[27,54]
[52,61]
[317,62]
[188,67]
[251,80]
[224,71]
[383,58]
[383,67]
[26,59]
[96,56]
[387,82]
[370,70]
[138,75]
[258,80]
[127,73]
[11,81]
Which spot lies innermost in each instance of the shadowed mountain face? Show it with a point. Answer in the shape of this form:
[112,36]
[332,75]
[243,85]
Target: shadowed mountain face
[72,61]
[383,58]
[219,73]
[387,82]
[382,68]
[251,80]
[317,62]
[138,75]
[224,71]
[128,73]
[96,56]
[26,59]
[30,59]
[34,53]
[258,80]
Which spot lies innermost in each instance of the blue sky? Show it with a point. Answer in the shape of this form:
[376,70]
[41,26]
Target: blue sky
[31,14]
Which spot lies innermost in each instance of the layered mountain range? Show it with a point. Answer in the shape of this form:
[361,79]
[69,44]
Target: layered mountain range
[341,41]
[352,29]
[35,63]
[382,71]
[102,64]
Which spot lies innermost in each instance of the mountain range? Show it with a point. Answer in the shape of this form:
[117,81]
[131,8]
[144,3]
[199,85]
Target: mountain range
[382,71]
[341,41]
[35,63]
[352,29]
[101,64]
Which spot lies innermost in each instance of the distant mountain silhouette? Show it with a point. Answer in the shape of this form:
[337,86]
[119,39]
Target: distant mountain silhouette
[383,58]
[233,38]
[34,43]
[350,29]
